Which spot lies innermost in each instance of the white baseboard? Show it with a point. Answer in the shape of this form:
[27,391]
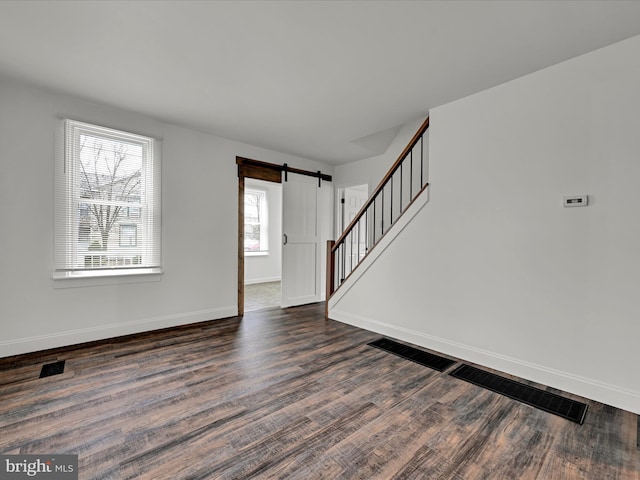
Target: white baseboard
[261,280]
[585,387]
[73,337]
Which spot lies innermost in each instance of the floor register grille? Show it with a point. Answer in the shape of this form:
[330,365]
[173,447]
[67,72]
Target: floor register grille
[541,399]
[535,397]
[415,355]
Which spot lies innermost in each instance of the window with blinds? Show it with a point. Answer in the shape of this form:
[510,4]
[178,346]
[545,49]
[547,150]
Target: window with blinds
[107,202]
[255,223]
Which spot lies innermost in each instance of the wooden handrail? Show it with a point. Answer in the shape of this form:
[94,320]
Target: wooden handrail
[336,273]
[423,128]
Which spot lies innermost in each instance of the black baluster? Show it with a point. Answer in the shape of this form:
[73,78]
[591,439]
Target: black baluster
[366,229]
[401,182]
[359,220]
[374,221]
[344,265]
[411,177]
[351,250]
[391,200]
[421,161]
[382,211]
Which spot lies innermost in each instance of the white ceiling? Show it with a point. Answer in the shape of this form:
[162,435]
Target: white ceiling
[327,80]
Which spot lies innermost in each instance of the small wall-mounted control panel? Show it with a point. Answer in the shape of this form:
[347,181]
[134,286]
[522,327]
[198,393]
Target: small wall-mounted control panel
[576,201]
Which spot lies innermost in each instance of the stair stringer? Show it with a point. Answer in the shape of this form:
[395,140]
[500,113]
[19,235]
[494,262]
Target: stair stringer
[389,237]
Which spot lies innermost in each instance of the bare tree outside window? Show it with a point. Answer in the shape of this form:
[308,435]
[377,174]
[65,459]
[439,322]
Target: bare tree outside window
[110,177]
[255,221]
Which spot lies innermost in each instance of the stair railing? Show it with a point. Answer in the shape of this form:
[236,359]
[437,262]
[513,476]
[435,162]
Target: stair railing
[405,180]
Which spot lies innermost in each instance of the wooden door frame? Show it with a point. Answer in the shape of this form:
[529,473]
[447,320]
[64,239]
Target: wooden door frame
[268,172]
[258,170]
[240,245]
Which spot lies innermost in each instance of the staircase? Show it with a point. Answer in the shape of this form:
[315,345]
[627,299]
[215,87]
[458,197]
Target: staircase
[403,183]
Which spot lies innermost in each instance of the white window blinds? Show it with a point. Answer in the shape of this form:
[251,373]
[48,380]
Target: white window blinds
[107,219]
[256,222]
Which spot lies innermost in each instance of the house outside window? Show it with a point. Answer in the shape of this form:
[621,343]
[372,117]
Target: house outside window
[107,203]
[128,235]
[256,223]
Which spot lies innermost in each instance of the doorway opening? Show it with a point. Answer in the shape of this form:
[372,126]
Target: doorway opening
[262,244]
[306,227]
[349,202]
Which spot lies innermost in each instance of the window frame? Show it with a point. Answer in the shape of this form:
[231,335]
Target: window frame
[67,252]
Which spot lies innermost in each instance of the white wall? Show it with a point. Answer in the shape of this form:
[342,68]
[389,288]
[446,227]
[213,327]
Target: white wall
[493,269]
[371,170]
[267,268]
[199,225]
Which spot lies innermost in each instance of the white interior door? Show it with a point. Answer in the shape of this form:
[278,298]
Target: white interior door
[353,198]
[349,202]
[302,238]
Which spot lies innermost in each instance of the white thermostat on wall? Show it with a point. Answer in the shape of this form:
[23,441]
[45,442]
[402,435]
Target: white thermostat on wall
[576,201]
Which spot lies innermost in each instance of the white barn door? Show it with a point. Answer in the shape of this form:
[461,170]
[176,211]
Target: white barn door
[302,254]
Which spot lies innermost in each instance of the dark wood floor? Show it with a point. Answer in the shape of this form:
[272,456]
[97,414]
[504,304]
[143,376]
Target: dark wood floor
[286,394]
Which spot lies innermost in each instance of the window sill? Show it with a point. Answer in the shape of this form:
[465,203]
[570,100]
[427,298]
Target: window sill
[106,277]
[256,254]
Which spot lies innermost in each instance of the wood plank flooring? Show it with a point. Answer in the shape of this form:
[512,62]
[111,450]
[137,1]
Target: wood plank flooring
[286,394]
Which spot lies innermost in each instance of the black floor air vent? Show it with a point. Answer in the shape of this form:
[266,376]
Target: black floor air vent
[423,358]
[547,401]
[52,369]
